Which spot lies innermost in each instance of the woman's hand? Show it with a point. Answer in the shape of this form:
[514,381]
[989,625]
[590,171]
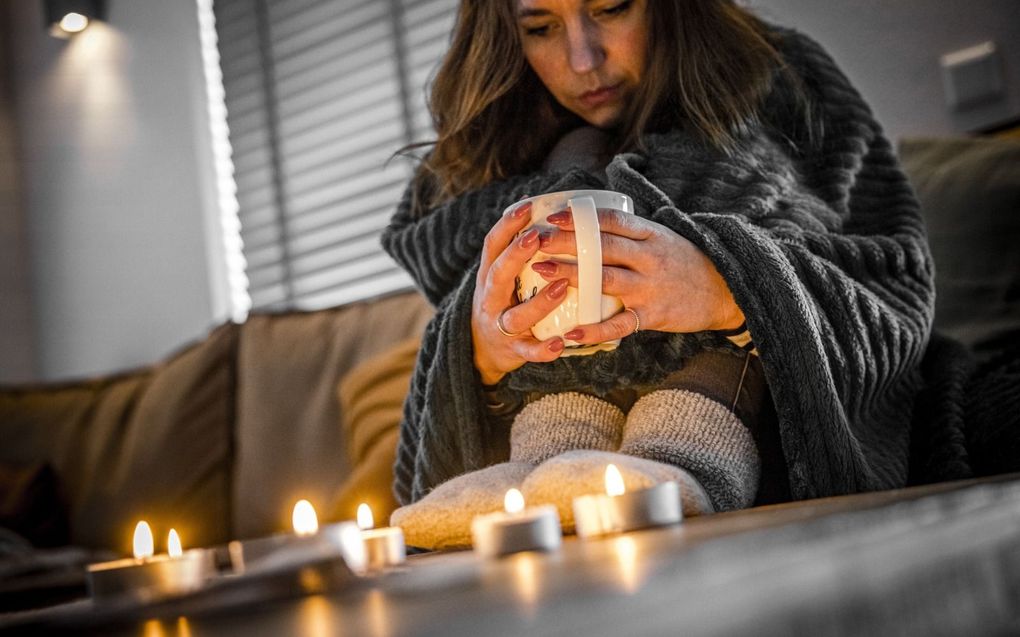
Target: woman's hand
[663,277]
[493,307]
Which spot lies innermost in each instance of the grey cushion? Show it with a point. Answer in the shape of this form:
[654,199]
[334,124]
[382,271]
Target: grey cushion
[970,193]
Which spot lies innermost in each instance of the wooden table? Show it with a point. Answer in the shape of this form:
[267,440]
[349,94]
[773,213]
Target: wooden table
[938,560]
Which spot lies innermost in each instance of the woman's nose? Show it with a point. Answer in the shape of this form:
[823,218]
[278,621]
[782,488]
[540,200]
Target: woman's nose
[585,48]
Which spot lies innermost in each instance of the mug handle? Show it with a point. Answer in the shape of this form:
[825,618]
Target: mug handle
[588,240]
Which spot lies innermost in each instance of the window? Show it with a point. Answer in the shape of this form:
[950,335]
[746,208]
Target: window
[319,94]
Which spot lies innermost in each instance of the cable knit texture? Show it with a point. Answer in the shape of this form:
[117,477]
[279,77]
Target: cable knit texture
[821,243]
[560,422]
[694,432]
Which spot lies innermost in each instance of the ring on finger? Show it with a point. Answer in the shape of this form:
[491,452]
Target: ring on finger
[637,319]
[499,326]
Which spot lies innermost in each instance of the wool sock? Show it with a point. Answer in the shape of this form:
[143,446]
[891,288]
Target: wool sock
[686,429]
[545,428]
[580,472]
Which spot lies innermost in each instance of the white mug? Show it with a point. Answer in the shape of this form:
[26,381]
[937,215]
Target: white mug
[584,304]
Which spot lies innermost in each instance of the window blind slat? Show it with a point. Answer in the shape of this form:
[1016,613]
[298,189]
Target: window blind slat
[316,111]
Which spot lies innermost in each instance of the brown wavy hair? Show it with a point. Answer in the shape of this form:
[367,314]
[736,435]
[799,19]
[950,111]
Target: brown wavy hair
[711,64]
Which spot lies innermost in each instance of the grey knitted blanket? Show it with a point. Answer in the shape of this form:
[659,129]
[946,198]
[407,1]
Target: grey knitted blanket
[821,244]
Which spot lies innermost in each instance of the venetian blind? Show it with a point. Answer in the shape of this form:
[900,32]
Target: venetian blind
[319,95]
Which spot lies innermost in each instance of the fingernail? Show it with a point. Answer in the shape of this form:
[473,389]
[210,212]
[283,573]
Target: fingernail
[529,238]
[557,289]
[544,239]
[545,267]
[574,334]
[558,218]
[521,210]
[556,346]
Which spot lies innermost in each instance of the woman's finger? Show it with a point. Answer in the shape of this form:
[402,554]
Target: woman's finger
[615,281]
[502,233]
[617,326]
[610,222]
[520,318]
[616,249]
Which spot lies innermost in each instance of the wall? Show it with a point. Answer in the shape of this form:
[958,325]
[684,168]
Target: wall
[114,157]
[890,49]
[17,336]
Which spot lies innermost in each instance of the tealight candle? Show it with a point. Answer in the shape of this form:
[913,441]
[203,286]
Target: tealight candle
[517,528]
[149,575]
[617,510]
[383,547]
[308,544]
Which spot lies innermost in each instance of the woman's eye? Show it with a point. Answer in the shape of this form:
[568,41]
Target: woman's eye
[536,31]
[617,9]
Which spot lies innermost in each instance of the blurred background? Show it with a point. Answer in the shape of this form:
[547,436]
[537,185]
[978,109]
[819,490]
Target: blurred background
[182,163]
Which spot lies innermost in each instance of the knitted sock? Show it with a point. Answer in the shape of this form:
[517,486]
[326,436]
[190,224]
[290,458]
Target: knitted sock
[685,429]
[543,429]
[583,472]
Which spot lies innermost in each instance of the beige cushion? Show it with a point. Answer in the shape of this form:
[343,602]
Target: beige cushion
[288,443]
[969,190]
[153,444]
[371,402]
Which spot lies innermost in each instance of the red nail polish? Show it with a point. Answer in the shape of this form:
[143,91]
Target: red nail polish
[529,238]
[558,218]
[521,210]
[556,346]
[544,240]
[574,334]
[547,268]
[557,289]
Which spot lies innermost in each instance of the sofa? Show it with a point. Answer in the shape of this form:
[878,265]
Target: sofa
[220,439]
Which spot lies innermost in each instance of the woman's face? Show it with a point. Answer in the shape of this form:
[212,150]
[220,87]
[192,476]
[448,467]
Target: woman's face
[590,54]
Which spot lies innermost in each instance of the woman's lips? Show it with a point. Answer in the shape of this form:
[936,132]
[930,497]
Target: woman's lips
[600,96]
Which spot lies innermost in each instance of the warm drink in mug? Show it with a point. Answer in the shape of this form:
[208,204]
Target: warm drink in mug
[584,304]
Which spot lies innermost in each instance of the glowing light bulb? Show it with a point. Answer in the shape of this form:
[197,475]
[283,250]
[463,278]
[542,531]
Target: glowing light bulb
[304,519]
[365,519]
[143,544]
[614,481]
[513,502]
[173,544]
[74,23]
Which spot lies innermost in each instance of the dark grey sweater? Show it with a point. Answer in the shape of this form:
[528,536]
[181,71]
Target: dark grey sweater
[821,244]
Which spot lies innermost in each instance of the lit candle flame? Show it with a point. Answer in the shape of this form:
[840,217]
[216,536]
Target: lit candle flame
[365,519]
[513,502]
[614,481]
[143,544]
[304,519]
[173,544]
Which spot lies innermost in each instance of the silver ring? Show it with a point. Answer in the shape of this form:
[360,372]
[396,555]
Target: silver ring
[637,319]
[499,326]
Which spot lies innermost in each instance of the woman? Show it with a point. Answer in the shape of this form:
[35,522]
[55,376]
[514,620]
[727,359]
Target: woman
[765,194]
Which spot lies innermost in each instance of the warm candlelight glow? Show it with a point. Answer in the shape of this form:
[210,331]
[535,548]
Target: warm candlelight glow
[74,22]
[304,519]
[143,543]
[513,502]
[365,519]
[173,544]
[614,481]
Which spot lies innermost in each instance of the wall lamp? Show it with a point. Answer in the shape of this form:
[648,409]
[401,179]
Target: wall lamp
[64,18]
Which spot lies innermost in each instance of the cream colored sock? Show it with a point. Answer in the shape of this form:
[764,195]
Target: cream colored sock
[582,472]
[543,429]
[688,430]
